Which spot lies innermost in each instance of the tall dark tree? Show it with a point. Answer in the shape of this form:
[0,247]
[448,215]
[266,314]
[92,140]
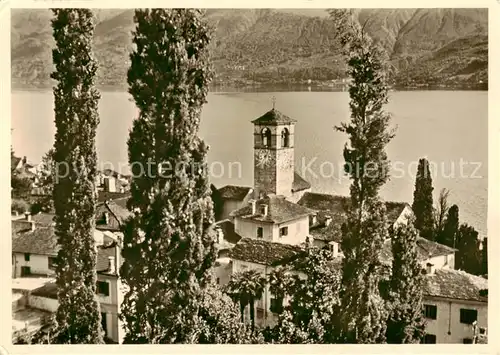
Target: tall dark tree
[363,315]
[468,254]
[76,118]
[169,241]
[422,200]
[405,324]
[484,257]
[448,235]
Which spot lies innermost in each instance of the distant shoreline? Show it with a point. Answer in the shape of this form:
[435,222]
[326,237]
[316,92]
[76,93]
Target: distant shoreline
[284,87]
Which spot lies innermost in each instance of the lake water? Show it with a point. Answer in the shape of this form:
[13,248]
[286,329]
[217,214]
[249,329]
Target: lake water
[450,128]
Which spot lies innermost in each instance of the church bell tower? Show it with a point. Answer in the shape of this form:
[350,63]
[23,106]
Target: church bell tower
[273,154]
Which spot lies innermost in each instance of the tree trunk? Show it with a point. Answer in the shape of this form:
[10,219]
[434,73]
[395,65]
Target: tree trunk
[242,311]
[252,313]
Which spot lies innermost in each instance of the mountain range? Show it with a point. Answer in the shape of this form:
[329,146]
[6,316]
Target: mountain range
[441,47]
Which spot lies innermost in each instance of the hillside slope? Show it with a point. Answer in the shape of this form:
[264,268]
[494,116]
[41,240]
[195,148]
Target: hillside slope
[436,46]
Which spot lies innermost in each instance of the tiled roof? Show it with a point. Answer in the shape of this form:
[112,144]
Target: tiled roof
[279,210]
[425,249]
[262,252]
[106,196]
[273,117]
[455,284]
[41,241]
[428,248]
[14,162]
[230,235]
[103,254]
[233,192]
[337,205]
[117,215]
[299,184]
[49,290]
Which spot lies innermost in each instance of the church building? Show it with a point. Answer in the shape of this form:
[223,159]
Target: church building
[268,224]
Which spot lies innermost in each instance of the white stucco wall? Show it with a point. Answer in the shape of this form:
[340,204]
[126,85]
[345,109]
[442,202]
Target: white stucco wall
[441,262]
[447,327]
[39,264]
[298,230]
[43,303]
[248,229]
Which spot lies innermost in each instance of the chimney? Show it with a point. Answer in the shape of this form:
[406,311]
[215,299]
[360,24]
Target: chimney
[253,203]
[106,218]
[328,221]
[263,209]
[430,269]
[220,234]
[111,264]
[118,256]
[334,247]
[28,216]
[32,224]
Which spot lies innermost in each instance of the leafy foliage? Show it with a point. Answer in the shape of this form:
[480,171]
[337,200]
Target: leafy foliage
[405,323]
[422,200]
[448,236]
[246,288]
[311,286]
[169,241]
[468,256]
[363,315]
[78,319]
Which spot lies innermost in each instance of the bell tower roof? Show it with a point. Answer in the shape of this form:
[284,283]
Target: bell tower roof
[273,117]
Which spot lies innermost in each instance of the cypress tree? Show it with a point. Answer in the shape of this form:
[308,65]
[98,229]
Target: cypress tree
[450,228]
[405,323]
[484,257]
[468,254]
[169,241]
[363,316]
[422,200]
[76,118]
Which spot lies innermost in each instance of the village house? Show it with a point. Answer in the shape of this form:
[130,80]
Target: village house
[34,256]
[455,306]
[271,222]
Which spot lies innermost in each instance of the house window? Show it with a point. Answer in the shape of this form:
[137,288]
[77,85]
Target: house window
[218,281]
[260,232]
[430,311]
[467,340]
[25,271]
[26,256]
[482,331]
[276,305]
[266,137]
[285,140]
[103,288]
[283,231]
[52,263]
[429,339]
[468,316]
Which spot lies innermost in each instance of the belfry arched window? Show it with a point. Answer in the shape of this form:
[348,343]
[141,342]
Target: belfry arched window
[266,137]
[285,138]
